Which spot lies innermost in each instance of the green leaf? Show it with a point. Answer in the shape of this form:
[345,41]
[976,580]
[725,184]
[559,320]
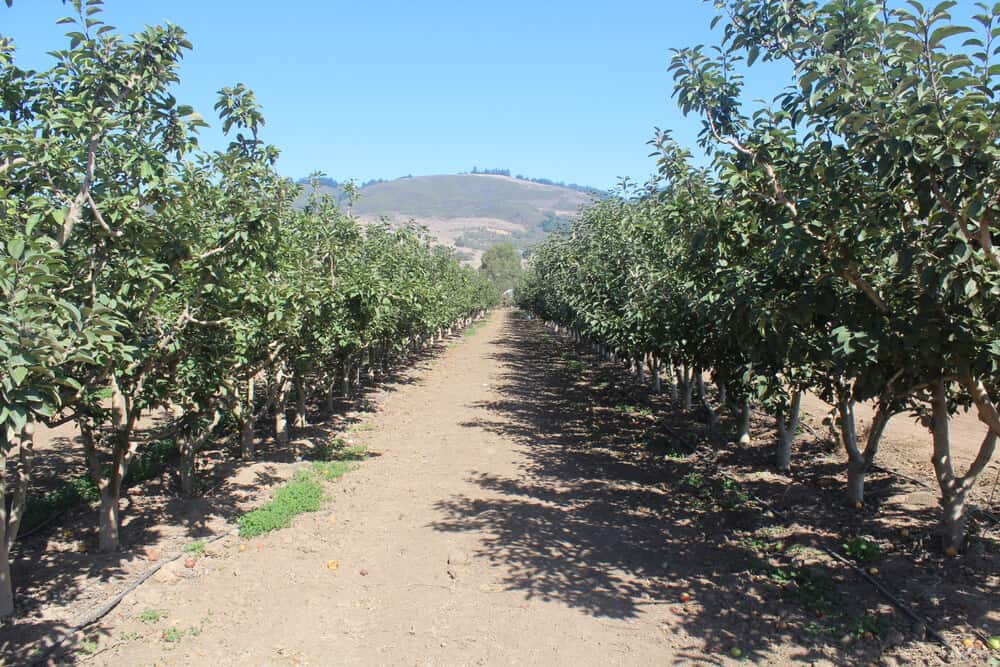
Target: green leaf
[18,373]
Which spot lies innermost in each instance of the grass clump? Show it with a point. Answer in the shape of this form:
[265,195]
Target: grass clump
[173,635]
[360,428]
[153,615]
[814,588]
[474,328]
[693,480]
[303,493]
[87,647]
[338,450]
[196,548]
[862,550]
[331,470]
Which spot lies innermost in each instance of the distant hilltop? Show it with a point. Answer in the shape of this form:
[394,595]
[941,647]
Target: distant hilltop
[472,211]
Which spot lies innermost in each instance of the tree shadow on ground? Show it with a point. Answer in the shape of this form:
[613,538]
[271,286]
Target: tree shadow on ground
[58,566]
[621,510]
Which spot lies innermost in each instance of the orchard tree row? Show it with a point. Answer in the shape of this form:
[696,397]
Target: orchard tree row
[842,241]
[141,273]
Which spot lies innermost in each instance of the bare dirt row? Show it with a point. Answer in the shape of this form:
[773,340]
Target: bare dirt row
[524,504]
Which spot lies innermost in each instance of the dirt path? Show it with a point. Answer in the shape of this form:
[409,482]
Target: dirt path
[506,517]
[428,573]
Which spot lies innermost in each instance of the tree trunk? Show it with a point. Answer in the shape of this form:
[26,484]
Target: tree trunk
[743,437]
[280,415]
[329,405]
[246,419]
[688,386]
[657,382]
[10,522]
[6,585]
[859,462]
[187,468]
[300,402]
[108,534]
[954,489]
[955,518]
[122,449]
[786,432]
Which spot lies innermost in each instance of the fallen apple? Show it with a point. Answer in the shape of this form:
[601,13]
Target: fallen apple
[189,563]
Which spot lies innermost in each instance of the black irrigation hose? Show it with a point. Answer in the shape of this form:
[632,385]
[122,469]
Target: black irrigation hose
[37,527]
[62,635]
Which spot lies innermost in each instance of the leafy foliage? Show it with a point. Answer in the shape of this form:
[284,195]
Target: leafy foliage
[501,264]
[139,272]
[842,241]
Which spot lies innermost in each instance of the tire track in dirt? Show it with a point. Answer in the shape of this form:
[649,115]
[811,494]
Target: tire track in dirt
[461,541]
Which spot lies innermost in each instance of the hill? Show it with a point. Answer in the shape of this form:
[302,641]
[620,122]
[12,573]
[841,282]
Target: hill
[471,211]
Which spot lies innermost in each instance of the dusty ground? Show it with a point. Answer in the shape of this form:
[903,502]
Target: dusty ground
[526,505]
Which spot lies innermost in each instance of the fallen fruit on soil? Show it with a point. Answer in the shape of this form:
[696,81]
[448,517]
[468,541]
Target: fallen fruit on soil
[189,563]
[735,652]
[243,547]
[951,552]
[684,597]
[332,565]
[873,571]
[993,643]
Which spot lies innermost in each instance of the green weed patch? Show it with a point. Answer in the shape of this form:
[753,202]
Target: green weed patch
[303,493]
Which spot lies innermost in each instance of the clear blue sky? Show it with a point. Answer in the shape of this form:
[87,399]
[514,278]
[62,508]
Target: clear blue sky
[567,90]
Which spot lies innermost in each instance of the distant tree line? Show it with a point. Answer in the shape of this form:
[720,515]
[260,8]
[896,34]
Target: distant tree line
[542,181]
[333,183]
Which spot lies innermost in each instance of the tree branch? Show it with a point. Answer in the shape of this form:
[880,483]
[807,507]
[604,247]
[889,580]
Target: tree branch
[778,193]
[985,407]
[100,218]
[76,207]
[13,162]
[852,276]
